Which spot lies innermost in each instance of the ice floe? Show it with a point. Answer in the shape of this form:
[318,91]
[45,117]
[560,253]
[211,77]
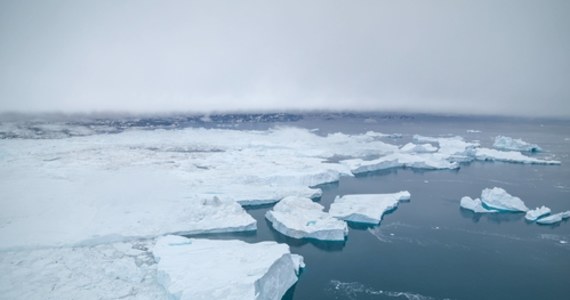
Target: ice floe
[498,198]
[368,208]
[421,148]
[475,205]
[510,156]
[554,218]
[225,269]
[299,217]
[508,143]
[537,213]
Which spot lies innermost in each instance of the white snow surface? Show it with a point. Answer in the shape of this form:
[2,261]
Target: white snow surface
[537,213]
[299,217]
[421,148]
[225,269]
[366,208]
[498,198]
[475,205]
[508,143]
[554,218]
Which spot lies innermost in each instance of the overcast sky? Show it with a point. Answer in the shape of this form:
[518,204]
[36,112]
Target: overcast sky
[499,56]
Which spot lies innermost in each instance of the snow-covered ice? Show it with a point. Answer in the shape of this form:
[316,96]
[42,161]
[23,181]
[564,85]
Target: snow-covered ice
[487,154]
[475,205]
[225,269]
[498,198]
[554,218]
[508,143]
[537,213]
[368,208]
[421,148]
[299,217]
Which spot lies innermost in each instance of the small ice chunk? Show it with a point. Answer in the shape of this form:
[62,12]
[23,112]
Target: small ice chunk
[224,269]
[507,143]
[367,209]
[537,213]
[555,218]
[300,217]
[421,148]
[473,131]
[475,205]
[499,199]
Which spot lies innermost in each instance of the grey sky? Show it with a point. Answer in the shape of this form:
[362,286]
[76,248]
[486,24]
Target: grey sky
[500,56]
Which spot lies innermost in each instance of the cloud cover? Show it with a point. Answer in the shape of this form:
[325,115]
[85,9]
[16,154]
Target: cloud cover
[484,57]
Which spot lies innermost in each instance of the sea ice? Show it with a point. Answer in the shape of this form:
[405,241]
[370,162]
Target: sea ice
[510,156]
[498,198]
[475,205]
[537,213]
[507,143]
[225,269]
[368,208]
[421,148]
[302,218]
[555,218]
[397,160]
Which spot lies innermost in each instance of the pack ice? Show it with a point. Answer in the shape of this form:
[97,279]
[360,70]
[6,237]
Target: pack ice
[302,218]
[230,269]
[508,143]
[367,209]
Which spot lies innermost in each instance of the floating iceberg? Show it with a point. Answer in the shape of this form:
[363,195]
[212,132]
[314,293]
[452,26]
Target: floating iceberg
[475,205]
[225,269]
[367,209]
[510,156]
[507,143]
[453,149]
[553,219]
[421,148]
[302,218]
[537,213]
[399,160]
[498,198]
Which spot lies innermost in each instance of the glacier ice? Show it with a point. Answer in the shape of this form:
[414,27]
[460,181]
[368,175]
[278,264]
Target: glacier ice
[366,208]
[421,148]
[299,217]
[554,218]
[537,213]
[487,154]
[225,269]
[498,198]
[508,143]
[475,205]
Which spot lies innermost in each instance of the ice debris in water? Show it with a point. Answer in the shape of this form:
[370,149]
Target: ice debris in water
[498,198]
[486,154]
[225,269]
[367,208]
[537,213]
[475,205]
[299,217]
[493,200]
[553,219]
[508,143]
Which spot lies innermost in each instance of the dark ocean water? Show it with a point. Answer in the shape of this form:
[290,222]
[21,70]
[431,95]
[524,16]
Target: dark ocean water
[429,248]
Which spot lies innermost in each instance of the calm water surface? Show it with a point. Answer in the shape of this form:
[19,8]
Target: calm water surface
[428,248]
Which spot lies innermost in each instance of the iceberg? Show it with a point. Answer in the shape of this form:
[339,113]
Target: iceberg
[421,148]
[302,218]
[399,160]
[367,209]
[555,218]
[475,205]
[537,213]
[498,198]
[225,269]
[507,143]
[487,154]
